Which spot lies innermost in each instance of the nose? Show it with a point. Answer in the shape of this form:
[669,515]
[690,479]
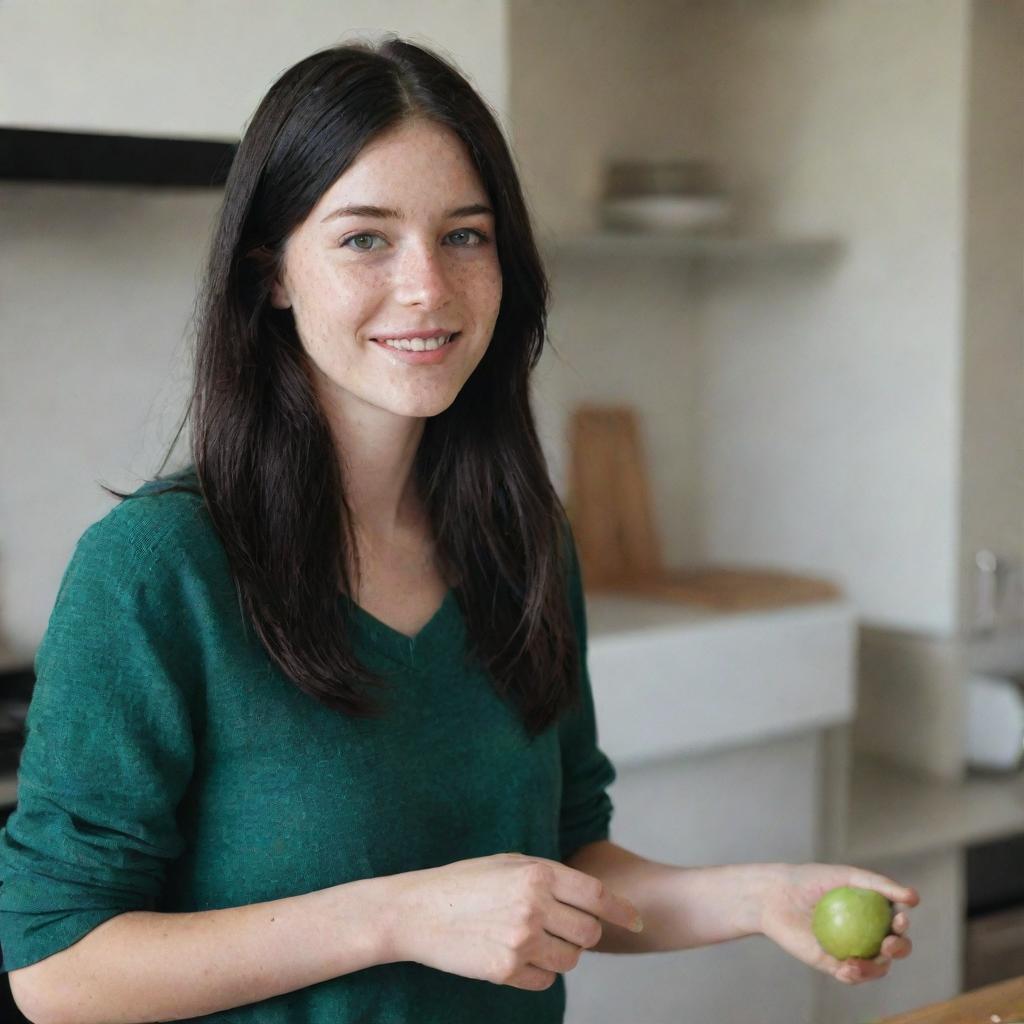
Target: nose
[423,277]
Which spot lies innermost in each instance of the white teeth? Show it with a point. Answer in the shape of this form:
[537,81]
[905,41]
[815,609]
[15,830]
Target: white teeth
[416,344]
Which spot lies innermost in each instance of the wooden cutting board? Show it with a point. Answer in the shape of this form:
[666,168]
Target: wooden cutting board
[609,501]
[1004,1000]
[609,505]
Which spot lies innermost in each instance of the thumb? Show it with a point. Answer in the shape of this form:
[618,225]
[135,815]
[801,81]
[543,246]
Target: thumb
[892,890]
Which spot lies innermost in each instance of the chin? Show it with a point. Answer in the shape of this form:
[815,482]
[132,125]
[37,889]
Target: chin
[424,407]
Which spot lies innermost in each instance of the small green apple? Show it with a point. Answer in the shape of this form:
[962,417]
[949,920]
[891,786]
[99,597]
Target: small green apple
[851,922]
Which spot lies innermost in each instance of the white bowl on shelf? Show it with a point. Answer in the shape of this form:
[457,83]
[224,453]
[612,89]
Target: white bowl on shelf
[668,213]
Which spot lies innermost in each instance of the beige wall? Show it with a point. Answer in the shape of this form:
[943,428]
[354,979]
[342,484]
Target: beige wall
[620,81]
[993,282]
[199,68]
[806,417]
[615,84]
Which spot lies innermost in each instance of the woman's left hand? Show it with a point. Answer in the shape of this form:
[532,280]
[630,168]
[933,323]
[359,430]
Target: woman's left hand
[788,906]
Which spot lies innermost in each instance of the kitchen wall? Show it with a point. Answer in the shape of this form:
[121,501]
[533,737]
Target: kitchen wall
[97,284]
[198,69]
[992,457]
[621,83]
[98,287]
[831,409]
[802,417]
[805,416]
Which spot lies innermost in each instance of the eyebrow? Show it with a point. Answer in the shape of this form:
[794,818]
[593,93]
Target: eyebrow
[386,213]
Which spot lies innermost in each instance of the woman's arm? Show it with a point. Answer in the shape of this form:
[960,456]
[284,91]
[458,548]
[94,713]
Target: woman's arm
[147,966]
[681,907]
[684,907]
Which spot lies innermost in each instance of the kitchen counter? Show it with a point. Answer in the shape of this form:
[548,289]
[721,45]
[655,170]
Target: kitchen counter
[993,1004]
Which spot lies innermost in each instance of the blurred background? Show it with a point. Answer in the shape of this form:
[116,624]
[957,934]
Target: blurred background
[785,240]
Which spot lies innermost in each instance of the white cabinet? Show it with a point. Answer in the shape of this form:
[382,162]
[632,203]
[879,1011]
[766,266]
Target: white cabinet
[680,694]
[753,803]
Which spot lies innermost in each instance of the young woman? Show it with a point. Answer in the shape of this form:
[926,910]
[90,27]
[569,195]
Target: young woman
[312,738]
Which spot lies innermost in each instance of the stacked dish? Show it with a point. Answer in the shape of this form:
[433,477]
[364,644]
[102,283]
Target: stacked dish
[680,196]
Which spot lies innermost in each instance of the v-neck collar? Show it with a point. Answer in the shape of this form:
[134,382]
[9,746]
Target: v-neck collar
[435,637]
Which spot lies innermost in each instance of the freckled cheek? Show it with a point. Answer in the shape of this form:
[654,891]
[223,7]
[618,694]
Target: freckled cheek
[481,290]
[355,299]
[340,307]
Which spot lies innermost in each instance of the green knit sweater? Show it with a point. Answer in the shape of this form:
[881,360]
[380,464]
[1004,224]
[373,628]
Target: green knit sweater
[169,765]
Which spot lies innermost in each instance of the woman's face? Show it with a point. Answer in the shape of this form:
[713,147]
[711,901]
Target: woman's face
[353,279]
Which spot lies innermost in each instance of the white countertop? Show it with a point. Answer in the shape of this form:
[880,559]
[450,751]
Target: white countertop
[895,812]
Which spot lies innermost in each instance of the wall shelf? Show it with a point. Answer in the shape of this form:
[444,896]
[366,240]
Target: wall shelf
[705,248]
[28,154]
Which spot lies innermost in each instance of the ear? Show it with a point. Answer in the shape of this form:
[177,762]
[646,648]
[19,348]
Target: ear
[263,260]
[279,296]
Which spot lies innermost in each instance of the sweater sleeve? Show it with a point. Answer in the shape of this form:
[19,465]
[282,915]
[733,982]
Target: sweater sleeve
[586,771]
[108,750]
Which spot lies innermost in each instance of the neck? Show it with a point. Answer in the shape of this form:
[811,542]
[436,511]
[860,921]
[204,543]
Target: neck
[376,451]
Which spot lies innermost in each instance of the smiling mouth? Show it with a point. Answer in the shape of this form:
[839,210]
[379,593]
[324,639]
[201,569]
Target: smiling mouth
[418,344]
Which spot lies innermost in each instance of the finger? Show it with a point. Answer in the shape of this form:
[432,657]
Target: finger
[901,923]
[556,955]
[856,970]
[886,886]
[573,925]
[531,978]
[581,890]
[897,947]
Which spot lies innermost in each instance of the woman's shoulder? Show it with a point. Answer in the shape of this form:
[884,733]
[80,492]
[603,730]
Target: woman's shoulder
[165,516]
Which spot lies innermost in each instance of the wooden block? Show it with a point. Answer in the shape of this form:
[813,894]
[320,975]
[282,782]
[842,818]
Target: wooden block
[609,505]
[609,496]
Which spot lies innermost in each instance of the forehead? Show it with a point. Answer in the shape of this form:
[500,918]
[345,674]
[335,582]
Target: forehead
[418,167]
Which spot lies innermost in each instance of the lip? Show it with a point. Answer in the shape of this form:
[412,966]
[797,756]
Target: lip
[420,358]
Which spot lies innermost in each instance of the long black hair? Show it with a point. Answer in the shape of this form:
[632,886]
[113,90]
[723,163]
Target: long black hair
[264,457]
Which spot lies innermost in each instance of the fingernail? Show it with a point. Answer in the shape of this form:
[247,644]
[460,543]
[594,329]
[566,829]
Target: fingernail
[882,961]
[637,925]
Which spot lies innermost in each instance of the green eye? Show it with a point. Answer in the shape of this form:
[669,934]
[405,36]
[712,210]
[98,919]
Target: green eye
[480,237]
[473,238]
[361,248]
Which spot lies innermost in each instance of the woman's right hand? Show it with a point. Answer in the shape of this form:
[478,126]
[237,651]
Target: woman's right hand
[509,919]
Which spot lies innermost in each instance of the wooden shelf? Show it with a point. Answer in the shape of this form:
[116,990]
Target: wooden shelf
[58,157]
[895,813]
[717,248]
